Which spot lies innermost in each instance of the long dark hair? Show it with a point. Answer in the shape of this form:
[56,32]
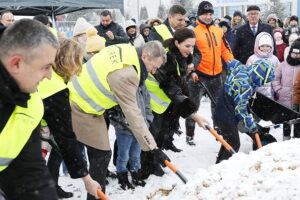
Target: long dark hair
[180,35]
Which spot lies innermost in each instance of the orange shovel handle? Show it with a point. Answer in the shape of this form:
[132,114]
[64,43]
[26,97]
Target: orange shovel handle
[220,139]
[102,195]
[258,141]
[173,168]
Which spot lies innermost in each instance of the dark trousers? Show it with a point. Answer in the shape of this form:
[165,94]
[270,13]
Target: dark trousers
[226,125]
[196,91]
[99,161]
[287,130]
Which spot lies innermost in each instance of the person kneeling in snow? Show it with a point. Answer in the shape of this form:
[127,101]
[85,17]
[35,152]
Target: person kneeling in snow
[233,101]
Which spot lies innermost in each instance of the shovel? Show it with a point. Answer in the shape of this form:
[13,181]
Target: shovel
[176,171]
[102,195]
[220,139]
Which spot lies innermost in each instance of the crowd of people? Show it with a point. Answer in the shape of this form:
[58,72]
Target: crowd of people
[140,79]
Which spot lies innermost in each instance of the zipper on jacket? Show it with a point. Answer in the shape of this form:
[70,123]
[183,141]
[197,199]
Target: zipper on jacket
[213,51]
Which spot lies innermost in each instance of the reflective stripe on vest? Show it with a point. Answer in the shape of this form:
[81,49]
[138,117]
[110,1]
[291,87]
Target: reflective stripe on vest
[47,87]
[90,90]
[163,31]
[159,101]
[18,129]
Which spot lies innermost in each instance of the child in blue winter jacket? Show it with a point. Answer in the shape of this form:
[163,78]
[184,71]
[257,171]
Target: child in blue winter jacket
[232,103]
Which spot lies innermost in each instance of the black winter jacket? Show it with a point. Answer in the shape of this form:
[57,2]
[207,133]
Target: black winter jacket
[119,34]
[58,117]
[174,85]
[245,40]
[155,36]
[27,176]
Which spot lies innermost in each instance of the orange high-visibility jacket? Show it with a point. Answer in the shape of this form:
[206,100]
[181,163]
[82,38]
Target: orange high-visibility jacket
[211,44]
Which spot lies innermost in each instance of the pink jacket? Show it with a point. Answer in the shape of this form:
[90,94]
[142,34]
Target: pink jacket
[285,76]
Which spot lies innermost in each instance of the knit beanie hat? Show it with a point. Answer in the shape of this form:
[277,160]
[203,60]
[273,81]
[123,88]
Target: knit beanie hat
[81,26]
[224,22]
[295,48]
[294,17]
[237,13]
[265,40]
[205,7]
[94,42]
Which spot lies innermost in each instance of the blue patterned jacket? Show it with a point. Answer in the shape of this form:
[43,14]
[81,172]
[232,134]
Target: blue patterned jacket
[241,83]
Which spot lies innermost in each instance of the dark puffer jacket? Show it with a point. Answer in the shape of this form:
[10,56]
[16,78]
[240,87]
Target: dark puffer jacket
[116,29]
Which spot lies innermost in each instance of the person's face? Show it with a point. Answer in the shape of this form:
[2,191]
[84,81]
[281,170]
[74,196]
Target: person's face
[29,72]
[146,32]
[295,55]
[155,24]
[131,31]
[186,47]
[253,16]
[292,38]
[224,28]
[272,22]
[7,19]
[152,64]
[206,18]
[177,21]
[265,48]
[293,23]
[237,19]
[216,22]
[106,20]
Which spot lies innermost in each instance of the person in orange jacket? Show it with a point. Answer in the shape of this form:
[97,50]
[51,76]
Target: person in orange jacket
[211,46]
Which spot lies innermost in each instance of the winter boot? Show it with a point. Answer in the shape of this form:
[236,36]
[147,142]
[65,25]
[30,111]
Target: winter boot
[157,170]
[137,178]
[172,147]
[123,181]
[63,194]
[286,138]
[190,141]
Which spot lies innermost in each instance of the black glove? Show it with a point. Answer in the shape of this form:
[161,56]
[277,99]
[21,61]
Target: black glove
[160,157]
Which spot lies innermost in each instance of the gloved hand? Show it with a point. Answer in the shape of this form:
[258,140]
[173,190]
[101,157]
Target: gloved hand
[296,107]
[160,156]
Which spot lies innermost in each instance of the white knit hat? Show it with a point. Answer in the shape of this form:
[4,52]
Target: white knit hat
[81,26]
[265,39]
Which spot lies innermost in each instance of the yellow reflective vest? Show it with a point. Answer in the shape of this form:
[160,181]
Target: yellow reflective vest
[159,101]
[163,31]
[18,129]
[48,87]
[90,90]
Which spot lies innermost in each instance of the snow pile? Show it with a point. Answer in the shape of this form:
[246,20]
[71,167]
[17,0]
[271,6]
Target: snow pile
[272,172]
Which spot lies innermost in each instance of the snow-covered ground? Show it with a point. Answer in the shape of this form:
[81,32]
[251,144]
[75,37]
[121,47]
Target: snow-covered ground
[271,173]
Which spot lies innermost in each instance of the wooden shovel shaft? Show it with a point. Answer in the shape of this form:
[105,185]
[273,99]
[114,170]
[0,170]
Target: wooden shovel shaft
[220,139]
[176,171]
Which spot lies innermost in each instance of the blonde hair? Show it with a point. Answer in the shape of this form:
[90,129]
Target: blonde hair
[68,60]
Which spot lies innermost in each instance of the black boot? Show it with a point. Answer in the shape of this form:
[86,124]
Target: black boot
[63,194]
[137,178]
[124,182]
[190,141]
[172,147]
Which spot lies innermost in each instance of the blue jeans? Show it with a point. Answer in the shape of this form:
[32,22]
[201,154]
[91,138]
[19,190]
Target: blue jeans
[128,150]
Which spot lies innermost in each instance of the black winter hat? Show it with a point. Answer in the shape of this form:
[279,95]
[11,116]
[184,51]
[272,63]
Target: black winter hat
[205,7]
[253,7]
[295,47]
[237,13]
[224,22]
[294,17]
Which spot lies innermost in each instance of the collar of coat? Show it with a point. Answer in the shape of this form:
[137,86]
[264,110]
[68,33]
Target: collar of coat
[9,90]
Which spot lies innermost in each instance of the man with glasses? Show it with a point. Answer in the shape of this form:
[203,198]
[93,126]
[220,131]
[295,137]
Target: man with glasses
[246,34]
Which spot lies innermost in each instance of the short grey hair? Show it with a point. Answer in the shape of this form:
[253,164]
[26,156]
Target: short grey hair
[154,49]
[26,37]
